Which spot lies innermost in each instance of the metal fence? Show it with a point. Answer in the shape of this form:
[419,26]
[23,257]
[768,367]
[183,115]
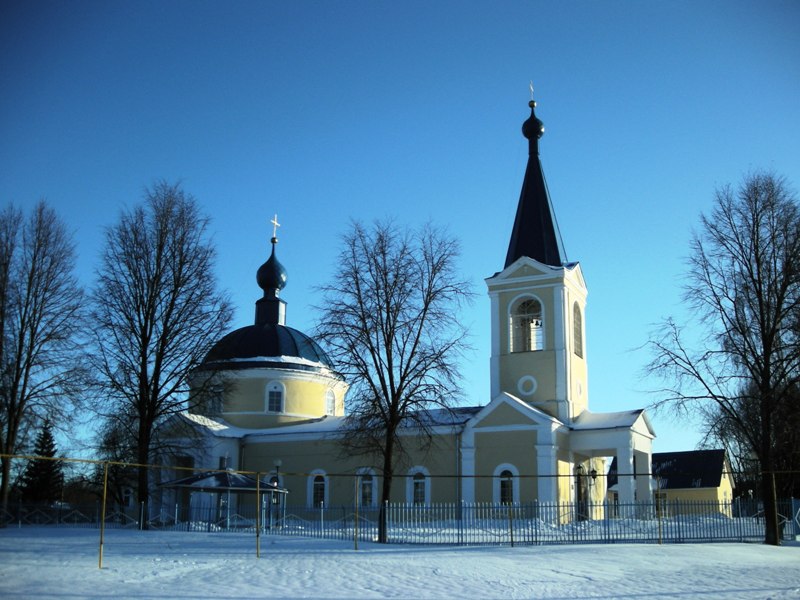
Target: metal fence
[450,524]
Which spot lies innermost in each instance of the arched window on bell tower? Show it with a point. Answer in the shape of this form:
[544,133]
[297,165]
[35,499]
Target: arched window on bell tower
[577,330]
[527,326]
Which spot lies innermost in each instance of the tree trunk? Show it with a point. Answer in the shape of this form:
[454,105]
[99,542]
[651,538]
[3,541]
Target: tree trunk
[143,483]
[386,490]
[771,533]
[6,482]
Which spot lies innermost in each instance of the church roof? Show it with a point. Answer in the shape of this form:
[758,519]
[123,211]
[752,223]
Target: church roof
[255,345]
[609,420]
[535,233]
[683,470]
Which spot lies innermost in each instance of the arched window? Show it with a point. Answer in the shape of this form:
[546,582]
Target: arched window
[330,402]
[527,331]
[318,489]
[418,487]
[505,489]
[577,330]
[275,398]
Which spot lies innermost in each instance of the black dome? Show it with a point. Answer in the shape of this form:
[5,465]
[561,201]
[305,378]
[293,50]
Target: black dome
[272,275]
[268,340]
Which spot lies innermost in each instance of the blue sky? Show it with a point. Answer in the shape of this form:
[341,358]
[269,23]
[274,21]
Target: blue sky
[326,111]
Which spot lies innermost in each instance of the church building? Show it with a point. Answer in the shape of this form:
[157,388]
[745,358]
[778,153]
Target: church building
[278,405]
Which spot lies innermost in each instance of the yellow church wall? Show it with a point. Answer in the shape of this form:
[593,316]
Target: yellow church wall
[305,397]
[578,385]
[492,449]
[302,458]
[503,415]
[541,366]
[245,395]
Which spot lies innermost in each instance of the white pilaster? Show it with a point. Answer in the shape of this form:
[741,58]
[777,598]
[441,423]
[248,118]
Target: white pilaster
[494,364]
[626,483]
[546,466]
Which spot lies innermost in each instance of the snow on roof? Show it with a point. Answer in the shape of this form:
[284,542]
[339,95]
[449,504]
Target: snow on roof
[328,424]
[610,420]
[216,427]
[448,416]
[220,428]
[296,360]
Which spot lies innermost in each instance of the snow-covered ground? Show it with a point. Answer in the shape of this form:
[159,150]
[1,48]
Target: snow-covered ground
[63,563]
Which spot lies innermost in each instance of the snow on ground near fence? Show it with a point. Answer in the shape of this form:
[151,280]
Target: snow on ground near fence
[46,563]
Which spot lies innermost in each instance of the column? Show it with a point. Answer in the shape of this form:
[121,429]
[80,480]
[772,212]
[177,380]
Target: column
[626,482]
[547,469]
[468,474]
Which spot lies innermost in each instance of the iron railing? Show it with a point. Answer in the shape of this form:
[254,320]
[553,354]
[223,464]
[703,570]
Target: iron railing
[448,524]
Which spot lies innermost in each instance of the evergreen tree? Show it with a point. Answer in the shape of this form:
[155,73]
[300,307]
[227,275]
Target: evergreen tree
[43,480]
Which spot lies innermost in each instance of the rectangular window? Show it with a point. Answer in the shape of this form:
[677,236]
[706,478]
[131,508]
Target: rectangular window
[419,489]
[506,490]
[318,491]
[366,490]
[275,401]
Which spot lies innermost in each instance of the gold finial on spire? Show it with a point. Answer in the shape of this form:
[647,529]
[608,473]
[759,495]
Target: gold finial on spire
[532,103]
[275,226]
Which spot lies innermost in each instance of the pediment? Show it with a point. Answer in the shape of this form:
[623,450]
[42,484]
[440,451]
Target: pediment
[525,268]
[508,411]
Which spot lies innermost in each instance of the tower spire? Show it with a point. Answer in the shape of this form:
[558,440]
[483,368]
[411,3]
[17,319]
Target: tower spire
[535,233]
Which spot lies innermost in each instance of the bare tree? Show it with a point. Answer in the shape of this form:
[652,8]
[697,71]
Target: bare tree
[744,286]
[40,323]
[157,312]
[391,324]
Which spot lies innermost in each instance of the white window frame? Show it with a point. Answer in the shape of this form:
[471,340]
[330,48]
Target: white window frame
[310,489]
[275,386]
[419,469]
[330,402]
[514,482]
[373,485]
[535,339]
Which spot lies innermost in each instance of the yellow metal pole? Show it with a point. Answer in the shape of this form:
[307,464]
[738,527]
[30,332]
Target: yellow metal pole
[258,515]
[355,520]
[103,515]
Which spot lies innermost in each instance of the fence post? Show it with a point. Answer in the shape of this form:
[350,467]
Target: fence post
[258,515]
[461,523]
[510,523]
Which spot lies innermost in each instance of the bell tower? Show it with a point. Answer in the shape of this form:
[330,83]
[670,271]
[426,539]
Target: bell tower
[538,304]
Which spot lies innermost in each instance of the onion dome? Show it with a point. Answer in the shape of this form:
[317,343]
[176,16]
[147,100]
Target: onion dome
[268,342]
[272,276]
[535,233]
[533,129]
